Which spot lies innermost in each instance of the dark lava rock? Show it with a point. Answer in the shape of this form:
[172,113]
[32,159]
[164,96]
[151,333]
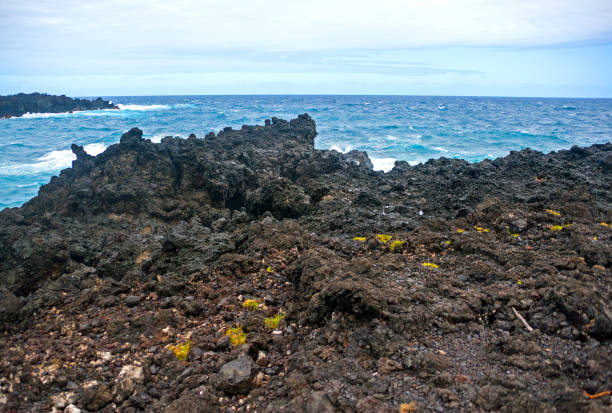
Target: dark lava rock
[318,402]
[19,104]
[132,300]
[198,400]
[236,377]
[198,226]
[96,397]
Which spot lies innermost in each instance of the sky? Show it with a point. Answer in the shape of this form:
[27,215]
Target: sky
[556,48]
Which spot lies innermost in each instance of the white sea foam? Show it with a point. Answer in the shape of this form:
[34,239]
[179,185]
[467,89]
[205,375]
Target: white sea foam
[158,137]
[41,115]
[131,106]
[51,162]
[383,164]
[338,148]
[95,148]
[439,149]
[99,112]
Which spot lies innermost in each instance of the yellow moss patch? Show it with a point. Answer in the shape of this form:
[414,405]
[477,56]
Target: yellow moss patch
[273,322]
[552,212]
[605,224]
[144,256]
[559,227]
[460,231]
[481,229]
[269,269]
[360,239]
[384,238]
[236,335]
[429,265]
[447,242]
[250,304]
[411,407]
[396,244]
[180,350]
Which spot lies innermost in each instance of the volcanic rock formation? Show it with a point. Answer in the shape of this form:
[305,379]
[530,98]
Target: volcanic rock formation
[20,104]
[372,291]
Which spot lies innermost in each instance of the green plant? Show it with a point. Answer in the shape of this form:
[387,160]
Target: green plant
[384,238]
[181,351]
[236,335]
[273,322]
[396,244]
[250,304]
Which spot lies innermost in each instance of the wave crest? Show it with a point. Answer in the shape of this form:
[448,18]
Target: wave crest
[53,161]
[130,106]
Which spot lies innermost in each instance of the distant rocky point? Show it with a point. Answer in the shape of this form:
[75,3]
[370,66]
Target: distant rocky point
[22,103]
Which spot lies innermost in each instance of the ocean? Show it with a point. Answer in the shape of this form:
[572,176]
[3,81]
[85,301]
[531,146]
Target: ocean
[35,147]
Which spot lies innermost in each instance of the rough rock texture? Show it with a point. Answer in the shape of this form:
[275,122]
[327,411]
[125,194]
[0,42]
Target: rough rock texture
[236,376]
[20,104]
[193,228]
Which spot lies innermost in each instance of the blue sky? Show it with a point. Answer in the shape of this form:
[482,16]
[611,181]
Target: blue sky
[431,47]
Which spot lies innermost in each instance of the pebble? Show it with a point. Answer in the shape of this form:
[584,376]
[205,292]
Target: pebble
[132,300]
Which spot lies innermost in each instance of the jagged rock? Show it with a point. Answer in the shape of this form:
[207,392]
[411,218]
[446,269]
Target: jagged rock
[128,378]
[199,400]
[19,104]
[96,397]
[318,402]
[199,226]
[236,377]
[71,408]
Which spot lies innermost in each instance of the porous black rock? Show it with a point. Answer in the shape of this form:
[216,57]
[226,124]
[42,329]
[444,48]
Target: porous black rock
[21,103]
[236,377]
[346,319]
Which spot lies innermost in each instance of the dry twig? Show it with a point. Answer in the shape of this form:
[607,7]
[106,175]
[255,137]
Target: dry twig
[520,317]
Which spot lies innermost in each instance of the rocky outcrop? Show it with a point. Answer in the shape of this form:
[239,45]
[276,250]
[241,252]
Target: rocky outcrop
[127,254]
[20,104]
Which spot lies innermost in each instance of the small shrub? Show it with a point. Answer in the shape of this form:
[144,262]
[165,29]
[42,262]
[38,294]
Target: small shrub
[273,322]
[396,244]
[555,213]
[384,238]
[481,229]
[559,227]
[181,351]
[460,230]
[269,269]
[236,335]
[250,305]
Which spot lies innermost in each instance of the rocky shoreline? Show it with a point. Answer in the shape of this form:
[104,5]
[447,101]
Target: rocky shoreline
[21,103]
[248,271]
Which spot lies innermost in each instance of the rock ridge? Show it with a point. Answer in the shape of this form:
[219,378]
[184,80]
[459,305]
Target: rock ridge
[22,103]
[305,281]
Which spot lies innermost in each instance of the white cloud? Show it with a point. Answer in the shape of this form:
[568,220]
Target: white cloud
[117,26]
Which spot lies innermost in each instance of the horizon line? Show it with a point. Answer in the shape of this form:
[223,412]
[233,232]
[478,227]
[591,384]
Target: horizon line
[352,94]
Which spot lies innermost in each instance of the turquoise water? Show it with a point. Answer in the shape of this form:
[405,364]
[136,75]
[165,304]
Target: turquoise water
[411,128]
